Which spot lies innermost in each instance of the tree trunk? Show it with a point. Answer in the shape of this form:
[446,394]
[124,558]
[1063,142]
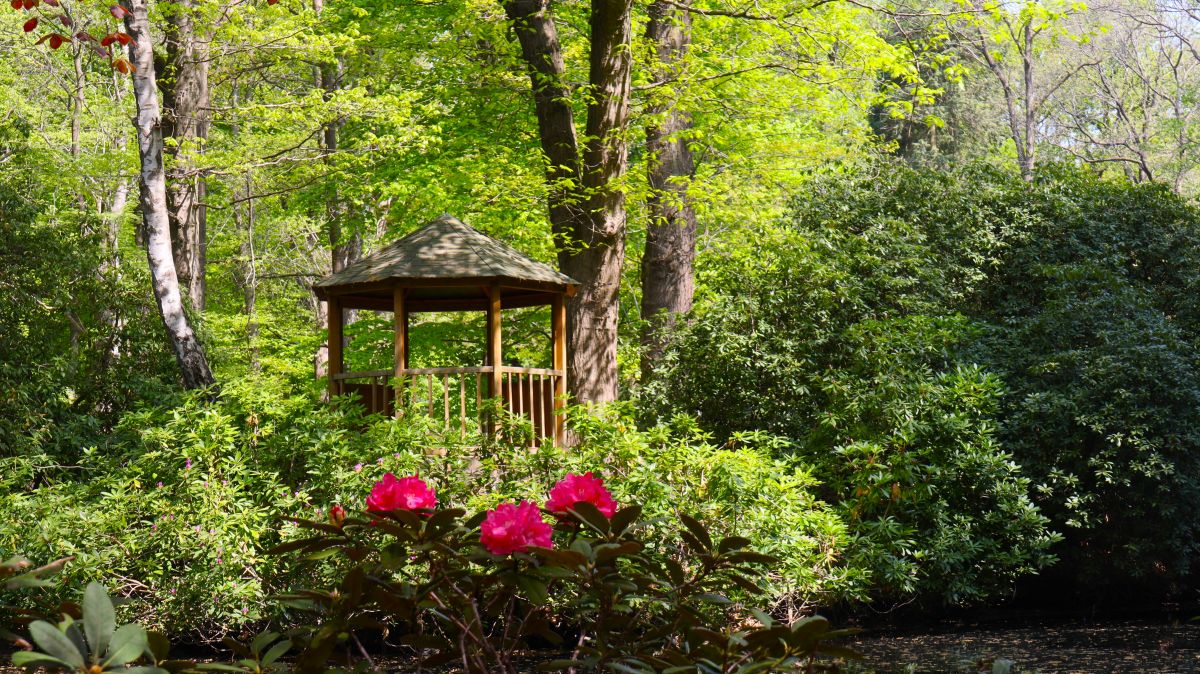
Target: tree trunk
[668,282]
[587,209]
[344,250]
[186,120]
[193,365]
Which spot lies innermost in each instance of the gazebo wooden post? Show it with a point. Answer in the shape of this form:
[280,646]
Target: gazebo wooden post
[400,340]
[558,325]
[334,314]
[492,357]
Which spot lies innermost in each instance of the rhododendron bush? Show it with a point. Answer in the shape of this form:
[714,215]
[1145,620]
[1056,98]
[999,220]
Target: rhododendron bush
[577,582]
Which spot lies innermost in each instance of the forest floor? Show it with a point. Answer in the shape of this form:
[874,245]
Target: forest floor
[1074,646]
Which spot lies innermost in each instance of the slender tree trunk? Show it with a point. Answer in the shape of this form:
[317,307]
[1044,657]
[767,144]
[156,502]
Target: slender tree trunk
[189,353]
[587,208]
[344,250]
[186,121]
[668,282]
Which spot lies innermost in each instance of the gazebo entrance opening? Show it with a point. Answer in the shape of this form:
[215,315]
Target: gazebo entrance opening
[448,266]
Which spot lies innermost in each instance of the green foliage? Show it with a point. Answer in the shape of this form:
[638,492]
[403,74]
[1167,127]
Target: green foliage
[916,334]
[1094,325]
[101,646]
[425,580]
[177,506]
[838,330]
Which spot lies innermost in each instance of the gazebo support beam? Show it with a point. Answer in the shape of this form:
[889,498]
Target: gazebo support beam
[336,365]
[558,331]
[493,341]
[400,339]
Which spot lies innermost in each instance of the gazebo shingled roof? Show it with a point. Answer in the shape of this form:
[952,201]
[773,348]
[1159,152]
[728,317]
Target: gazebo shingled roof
[445,259]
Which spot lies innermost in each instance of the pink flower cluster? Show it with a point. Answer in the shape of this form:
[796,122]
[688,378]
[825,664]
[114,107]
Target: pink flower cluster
[392,493]
[508,528]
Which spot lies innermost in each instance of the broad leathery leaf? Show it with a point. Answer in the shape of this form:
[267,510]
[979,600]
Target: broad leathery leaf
[262,641]
[623,518]
[276,652]
[51,640]
[836,651]
[534,589]
[807,632]
[99,618]
[697,530]
[591,516]
[218,667]
[157,646]
[732,543]
[31,659]
[145,669]
[129,642]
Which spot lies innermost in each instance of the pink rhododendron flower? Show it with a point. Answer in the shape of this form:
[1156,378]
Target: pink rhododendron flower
[586,488]
[392,493]
[512,528]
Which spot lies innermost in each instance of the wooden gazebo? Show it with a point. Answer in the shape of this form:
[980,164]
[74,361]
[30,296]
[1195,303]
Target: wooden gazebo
[449,266]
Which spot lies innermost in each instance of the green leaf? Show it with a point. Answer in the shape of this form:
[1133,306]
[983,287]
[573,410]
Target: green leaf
[625,517]
[276,652]
[51,640]
[129,642]
[34,659]
[99,618]
[534,589]
[697,530]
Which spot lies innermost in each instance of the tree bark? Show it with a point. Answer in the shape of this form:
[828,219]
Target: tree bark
[587,208]
[344,250]
[186,121]
[193,365]
[668,280]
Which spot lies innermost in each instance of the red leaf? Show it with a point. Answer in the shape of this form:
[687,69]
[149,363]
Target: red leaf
[85,36]
[52,3]
[124,38]
[119,11]
[272,2]
[41,40]
[30,24]
[123,66]
[65,20]
[108,39]
[16,4]
[57,40]
[101,52]
[29,4]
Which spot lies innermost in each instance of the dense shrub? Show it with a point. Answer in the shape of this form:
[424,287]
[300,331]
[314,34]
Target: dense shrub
[926,330]
[834,331]
[175,508]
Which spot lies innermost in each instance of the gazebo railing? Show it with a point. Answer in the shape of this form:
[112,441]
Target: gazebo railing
[455,395]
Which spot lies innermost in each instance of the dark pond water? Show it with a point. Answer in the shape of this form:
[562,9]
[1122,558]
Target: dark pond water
[1102,646]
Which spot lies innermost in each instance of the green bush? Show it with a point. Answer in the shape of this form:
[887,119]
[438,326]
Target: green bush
[959,322]
[175,507]
[840,331]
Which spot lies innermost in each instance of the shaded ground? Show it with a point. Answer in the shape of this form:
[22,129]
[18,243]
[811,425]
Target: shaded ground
[1109,646]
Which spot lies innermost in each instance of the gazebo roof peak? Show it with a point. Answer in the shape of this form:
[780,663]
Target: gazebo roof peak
[446,250]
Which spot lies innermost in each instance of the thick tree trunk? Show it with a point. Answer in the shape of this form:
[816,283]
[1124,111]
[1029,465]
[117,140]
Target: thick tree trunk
[186,120]
[193,365]
[668,281]
[587,209]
